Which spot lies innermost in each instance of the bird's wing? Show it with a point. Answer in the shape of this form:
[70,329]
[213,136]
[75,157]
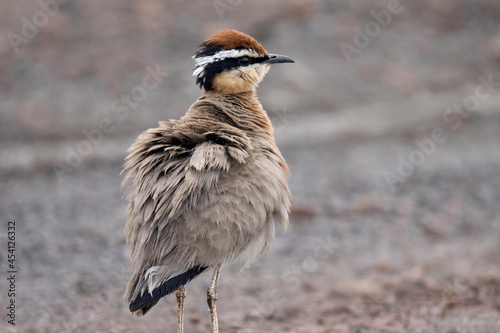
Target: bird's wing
[168,168]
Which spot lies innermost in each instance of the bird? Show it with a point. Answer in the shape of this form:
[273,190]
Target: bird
[209,187]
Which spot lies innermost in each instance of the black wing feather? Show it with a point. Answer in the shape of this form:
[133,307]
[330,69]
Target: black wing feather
[146,301]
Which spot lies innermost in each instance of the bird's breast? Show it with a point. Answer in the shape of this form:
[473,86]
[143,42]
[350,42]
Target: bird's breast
[242,207]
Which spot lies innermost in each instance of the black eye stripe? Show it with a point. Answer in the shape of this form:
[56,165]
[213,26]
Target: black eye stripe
[217,67]
[243,62]
[258,60]
[230,63]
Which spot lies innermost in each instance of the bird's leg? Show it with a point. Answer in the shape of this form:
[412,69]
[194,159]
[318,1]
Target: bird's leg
[212,297]
[180,295]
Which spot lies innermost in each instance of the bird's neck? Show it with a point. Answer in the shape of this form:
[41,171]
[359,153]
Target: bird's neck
[244,109]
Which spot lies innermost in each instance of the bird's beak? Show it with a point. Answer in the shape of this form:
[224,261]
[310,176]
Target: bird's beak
[277,58]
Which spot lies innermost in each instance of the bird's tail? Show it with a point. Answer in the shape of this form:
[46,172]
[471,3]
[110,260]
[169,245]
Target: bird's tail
[143,303]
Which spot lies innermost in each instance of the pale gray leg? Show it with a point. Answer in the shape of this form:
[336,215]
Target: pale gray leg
[212,297]
[180,295]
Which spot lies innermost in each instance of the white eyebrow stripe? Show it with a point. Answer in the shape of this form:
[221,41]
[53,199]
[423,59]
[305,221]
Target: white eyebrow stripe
[201,62]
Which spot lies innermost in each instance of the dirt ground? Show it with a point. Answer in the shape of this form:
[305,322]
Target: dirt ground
[395,160]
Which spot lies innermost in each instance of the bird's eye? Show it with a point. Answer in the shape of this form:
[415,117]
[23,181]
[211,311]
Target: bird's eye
[244,61]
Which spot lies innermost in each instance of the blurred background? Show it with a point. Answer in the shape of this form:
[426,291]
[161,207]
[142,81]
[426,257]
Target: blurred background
[389,120]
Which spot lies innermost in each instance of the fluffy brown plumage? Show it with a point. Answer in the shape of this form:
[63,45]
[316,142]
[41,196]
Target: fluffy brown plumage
[204,189]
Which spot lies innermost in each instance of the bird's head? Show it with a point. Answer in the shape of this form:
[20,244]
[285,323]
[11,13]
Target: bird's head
[232,62]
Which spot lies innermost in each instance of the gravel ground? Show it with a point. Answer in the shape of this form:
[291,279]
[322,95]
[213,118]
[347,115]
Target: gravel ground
[395,223]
